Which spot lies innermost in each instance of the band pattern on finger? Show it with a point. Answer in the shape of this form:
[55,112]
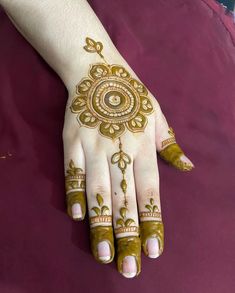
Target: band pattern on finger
[151,225]
[112,101]
[169,140]
[75,179]
[152,211]
[101,211]
[101,228]
[75,188]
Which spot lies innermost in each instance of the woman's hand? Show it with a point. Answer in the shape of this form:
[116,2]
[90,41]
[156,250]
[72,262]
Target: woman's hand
[113,129]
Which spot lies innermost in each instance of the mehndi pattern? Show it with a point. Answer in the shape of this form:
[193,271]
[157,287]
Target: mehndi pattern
[75,188]
[152,210]
[110,99]
[125,224]
[102,212]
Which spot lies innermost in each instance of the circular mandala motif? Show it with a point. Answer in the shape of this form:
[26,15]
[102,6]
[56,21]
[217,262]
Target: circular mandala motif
[110,98]
[113,100]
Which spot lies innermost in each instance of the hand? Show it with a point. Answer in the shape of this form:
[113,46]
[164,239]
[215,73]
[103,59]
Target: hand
[113,128]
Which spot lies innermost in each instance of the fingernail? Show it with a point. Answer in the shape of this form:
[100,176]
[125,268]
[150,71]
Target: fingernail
[187,161]
[104,252]
[129,267]
[76,211]
[153,247]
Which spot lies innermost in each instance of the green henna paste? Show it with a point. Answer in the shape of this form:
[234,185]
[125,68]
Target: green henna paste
[172,154]
[98,234]
[129,246]
[76,197]
[149,229]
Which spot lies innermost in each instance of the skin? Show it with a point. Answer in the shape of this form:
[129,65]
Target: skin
[58,32]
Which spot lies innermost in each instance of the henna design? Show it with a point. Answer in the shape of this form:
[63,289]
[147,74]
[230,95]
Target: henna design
[94,47]
[125,224]
[75,179]
[102,212]
[122,159]
[170,140]
[114,102]
[75,189]
[110,99]
[172,154]
[153,210]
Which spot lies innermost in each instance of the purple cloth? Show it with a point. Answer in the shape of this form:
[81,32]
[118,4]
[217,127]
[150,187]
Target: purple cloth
[184,52]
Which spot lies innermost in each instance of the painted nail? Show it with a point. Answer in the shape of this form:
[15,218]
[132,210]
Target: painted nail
[104,252]
[153,247]
[129,267]
[76,211]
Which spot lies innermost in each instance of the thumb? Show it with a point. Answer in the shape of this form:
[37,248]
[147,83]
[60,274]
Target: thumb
[166,144]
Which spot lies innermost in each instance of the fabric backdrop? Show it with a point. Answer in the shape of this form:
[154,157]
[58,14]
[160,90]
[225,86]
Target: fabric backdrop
[184,51]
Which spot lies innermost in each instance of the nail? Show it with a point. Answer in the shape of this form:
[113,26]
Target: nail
[187,161]
[129,267]
[76,211]
[153,247]
[104,252]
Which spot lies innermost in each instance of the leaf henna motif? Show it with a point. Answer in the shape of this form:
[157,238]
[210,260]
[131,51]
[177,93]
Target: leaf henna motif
[102,209]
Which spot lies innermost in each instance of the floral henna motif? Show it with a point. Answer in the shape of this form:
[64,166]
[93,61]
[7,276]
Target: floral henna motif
[112,101]
[153,211]
[102,212]
[170,140]
[125,224]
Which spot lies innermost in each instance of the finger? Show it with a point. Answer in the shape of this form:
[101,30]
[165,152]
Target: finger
[99,206]
[174,155]
[166,144]
[74,161]
[125,216]
[147,188]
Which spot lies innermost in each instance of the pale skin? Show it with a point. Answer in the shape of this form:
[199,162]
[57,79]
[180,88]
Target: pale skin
[58,30]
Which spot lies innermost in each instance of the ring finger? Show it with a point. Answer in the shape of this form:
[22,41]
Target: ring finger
[125,216]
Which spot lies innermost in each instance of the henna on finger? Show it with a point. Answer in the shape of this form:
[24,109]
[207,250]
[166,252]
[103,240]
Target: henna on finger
[75,189]
[172,153]
[127,239]
[151,226]
[128,246]
[101,229]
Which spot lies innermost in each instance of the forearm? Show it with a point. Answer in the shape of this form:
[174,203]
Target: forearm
[57,29]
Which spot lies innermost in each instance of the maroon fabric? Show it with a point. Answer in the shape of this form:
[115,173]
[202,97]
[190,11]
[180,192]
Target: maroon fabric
[184,52]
